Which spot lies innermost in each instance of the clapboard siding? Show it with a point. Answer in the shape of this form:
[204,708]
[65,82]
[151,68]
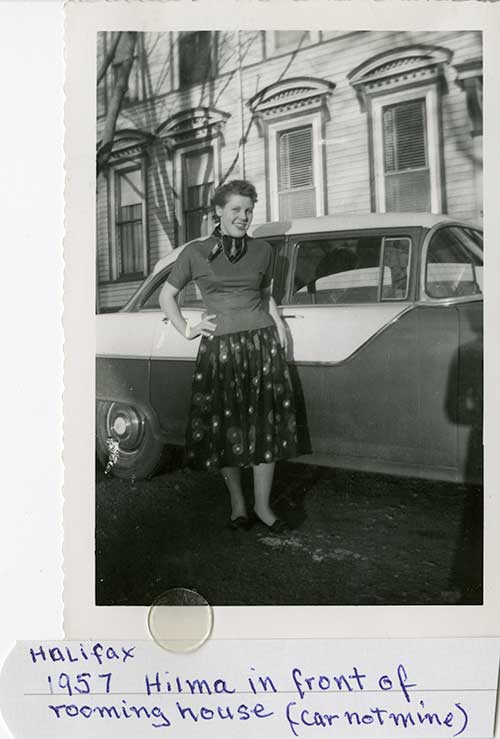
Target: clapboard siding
[116,295]
[344,148]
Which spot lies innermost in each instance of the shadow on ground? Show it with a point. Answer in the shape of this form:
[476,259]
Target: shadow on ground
[355,539]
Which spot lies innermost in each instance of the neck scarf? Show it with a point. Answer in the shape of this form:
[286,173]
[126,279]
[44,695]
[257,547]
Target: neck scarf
[233,248]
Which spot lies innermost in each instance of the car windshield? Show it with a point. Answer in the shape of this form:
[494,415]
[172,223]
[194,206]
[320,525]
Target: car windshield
[454,263]
[143,288]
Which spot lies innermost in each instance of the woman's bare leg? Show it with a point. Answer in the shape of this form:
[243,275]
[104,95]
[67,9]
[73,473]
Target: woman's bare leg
[232,478]
[263,481]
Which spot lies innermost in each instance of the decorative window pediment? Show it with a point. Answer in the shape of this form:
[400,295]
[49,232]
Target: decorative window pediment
[129,143]
[411,65]
[302,94]
[191,126]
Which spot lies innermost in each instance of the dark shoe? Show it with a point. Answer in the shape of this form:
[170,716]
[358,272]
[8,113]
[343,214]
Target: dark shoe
[278,527]
[241,523]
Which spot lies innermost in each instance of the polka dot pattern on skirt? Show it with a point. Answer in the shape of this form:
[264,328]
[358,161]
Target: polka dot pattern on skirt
[242,406]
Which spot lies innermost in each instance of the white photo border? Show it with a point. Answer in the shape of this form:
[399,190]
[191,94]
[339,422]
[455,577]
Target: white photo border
[83,20]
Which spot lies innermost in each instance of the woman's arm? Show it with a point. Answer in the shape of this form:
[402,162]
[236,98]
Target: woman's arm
[169,306]
[274,313]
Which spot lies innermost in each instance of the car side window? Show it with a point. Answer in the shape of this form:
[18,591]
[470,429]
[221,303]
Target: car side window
[150,300]
[347,270]
[395,280]
[454,264]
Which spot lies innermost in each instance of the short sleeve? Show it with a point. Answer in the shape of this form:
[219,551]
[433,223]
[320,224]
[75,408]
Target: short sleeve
[181,272]
[268,271]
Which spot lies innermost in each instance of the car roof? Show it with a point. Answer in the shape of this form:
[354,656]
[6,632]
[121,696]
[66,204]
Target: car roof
[349,222]
[341,222]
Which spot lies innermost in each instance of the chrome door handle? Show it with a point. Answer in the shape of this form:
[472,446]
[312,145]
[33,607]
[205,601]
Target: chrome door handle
[291,315]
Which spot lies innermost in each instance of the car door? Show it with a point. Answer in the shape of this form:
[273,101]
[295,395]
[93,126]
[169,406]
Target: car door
[349,309]
[450,350]
[172,362]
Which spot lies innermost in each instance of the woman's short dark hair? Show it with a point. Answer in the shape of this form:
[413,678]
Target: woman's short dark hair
[234,187]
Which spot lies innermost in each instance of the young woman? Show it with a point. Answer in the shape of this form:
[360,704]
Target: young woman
[242,410]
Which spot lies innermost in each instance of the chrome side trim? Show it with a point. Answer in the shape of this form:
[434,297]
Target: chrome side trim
[144,357]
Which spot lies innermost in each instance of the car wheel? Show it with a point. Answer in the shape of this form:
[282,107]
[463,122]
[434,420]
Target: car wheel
[126,444]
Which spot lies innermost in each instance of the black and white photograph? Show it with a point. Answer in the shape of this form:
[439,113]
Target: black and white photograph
[289,317]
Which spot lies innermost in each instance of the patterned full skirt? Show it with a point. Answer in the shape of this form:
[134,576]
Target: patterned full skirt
[242,406]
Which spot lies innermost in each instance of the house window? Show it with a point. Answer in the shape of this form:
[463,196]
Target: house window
[400,91]
[135,89]
[296,191]
[280,42]
[101,92]
[129,226]
[296,169]
[284,39]
[407,182]
[133,93]
[291,115]
[198,187]
[196,57]
[406,151]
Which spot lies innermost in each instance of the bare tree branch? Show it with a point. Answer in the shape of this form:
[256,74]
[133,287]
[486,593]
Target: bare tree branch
[109,57]
[121,86]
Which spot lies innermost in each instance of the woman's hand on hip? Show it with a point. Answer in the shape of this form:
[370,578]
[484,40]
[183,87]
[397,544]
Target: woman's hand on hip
[205,327]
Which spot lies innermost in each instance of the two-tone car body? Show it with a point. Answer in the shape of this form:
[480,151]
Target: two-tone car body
[384,315]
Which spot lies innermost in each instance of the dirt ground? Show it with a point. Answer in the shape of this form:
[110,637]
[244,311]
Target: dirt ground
[355,539]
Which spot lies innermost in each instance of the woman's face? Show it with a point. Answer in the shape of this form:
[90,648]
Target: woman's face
[236,215]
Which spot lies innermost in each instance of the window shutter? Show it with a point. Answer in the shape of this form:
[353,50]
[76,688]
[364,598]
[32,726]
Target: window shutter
[406,166]
[297,195]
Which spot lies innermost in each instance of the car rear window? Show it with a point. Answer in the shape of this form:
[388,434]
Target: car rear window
[363,269]
[454,263]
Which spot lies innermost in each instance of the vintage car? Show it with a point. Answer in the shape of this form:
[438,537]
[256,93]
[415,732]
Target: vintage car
[384,314]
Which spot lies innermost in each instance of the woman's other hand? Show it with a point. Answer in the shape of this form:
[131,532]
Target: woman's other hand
[283,337]
[205,327]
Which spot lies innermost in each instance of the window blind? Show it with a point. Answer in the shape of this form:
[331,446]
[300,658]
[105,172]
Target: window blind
[295,173]
[405,145]
[406,164]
